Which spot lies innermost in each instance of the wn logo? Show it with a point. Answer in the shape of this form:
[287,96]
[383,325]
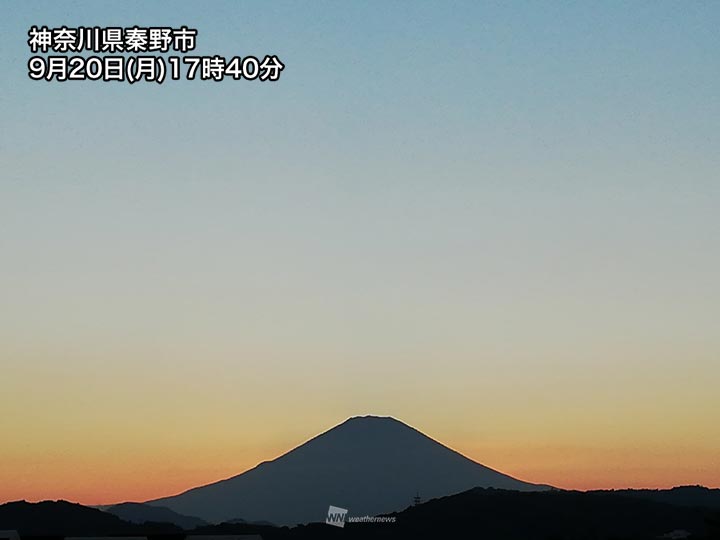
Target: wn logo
[336,516]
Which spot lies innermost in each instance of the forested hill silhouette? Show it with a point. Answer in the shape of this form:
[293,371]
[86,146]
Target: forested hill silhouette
[368,464]
[680,495]
[476,513]
[490,513]
[62,518]
[512,515]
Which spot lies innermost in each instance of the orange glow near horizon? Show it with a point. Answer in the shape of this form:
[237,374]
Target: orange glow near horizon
[103,478]
[101,439]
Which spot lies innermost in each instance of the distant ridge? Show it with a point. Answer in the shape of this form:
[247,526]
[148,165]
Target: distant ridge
[367,464]
[143,513]
[62,518]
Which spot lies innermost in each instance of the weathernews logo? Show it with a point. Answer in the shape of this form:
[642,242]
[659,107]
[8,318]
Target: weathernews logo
[337,517]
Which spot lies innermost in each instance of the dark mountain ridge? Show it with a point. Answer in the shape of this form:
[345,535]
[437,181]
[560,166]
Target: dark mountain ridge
[513,515]
[476,513]
[679,495]
[62,518]
[142,513]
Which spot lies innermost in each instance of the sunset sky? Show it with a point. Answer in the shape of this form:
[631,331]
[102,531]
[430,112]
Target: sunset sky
[498,222]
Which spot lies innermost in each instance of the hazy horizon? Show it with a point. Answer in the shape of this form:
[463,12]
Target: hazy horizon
[495,222]
[333,427]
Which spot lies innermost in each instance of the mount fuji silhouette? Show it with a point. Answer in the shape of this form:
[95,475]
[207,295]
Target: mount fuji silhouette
[368,464]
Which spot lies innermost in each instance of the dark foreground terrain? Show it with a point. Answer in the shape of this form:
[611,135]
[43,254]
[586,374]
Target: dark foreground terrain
[689,512]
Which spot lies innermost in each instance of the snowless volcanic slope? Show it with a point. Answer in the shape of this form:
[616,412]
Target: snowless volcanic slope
[368,464]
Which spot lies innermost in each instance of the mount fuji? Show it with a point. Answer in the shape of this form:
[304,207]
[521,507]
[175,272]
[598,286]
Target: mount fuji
[368,465]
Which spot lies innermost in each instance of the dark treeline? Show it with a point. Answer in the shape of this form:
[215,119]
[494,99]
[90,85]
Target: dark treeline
[477,513]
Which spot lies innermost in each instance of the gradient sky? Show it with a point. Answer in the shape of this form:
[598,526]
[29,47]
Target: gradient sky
[498,222]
